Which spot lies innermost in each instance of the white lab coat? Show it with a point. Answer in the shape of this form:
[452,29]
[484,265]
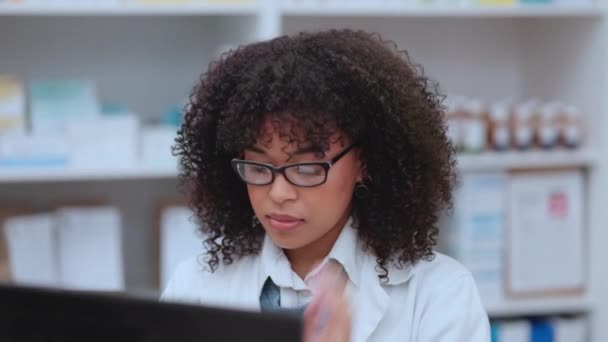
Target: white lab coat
[431,301]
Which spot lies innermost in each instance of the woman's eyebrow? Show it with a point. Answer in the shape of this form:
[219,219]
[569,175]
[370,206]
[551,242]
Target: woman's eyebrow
[304,150]
[255,149]
[309,149]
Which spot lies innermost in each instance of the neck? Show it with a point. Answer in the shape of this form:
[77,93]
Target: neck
[304,259]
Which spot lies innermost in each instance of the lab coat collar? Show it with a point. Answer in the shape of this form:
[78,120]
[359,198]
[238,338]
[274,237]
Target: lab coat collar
[371,301]
[346,251]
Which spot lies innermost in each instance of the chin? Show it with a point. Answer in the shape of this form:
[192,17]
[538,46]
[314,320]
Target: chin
[287,242]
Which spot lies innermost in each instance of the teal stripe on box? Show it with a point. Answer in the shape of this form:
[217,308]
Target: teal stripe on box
[58,161]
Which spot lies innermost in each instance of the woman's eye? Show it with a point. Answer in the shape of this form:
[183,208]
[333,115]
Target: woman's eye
[259,169]
[309,170]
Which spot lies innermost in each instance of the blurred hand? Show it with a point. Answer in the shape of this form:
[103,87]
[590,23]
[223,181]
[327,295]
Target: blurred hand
[328,316]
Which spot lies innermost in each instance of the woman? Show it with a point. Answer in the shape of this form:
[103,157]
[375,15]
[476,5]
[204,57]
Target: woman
[319,165]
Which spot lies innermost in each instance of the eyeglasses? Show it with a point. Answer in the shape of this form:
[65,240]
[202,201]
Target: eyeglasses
[299,174]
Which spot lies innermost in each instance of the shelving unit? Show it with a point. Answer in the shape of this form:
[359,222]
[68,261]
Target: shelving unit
[134,9]
[487,161]
[540,307]
[71,175]
[148,57]
[301,9]
[403,10]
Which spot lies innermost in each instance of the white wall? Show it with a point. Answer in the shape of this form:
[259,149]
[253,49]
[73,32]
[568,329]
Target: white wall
[473,57]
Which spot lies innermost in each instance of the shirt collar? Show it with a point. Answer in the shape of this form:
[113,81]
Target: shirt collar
[346,251]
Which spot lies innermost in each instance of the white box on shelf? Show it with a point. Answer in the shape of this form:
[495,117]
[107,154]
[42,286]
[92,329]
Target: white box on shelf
[514,331]
[570,329]
[475,232]
[179,240]
[546,232]
[32,250]
[156,143]
[90,253]
[573,3]
[37,151]
[54,103]
[104,142]
[12,105]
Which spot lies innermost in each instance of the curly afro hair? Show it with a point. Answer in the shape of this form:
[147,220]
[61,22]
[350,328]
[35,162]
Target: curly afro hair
[349,81]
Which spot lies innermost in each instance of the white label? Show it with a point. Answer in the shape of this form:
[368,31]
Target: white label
[572,135]
[548,135]
[475,135]
[523,136]
[453,132]
[501,137]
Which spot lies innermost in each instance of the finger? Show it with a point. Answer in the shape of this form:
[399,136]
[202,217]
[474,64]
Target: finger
[311,319]
[339,323]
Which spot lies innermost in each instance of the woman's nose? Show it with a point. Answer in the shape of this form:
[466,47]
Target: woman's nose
[281,190]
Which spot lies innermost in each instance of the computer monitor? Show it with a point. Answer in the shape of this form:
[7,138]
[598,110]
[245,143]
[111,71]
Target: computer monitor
[30,314]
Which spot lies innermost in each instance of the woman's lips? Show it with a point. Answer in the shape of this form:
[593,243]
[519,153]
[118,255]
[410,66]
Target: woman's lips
[283,222]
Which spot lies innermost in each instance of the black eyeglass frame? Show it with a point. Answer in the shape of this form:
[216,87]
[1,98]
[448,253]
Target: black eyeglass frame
[281,170]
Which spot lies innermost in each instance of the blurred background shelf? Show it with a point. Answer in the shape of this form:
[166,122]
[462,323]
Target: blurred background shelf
[89,9]
[487,161]
[523,11]
[541,306]
[70,175]
[526,160]
[303,9]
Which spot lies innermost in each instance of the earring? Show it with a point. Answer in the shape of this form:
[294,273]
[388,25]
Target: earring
[361,190]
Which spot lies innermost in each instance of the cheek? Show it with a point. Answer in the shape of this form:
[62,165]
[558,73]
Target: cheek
[257,194]
[332,198]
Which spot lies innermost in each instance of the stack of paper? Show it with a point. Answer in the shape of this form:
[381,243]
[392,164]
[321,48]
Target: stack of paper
[75,247]
[90,248]
[32,247]
[6,213]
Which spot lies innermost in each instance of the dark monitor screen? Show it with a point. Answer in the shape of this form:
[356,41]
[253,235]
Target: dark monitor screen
[36,314]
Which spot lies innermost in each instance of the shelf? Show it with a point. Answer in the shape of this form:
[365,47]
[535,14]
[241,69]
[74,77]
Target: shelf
[310,8]
[539,307]
[389,10]
[526,160]
[466,163]
[194,9]
[68,175]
